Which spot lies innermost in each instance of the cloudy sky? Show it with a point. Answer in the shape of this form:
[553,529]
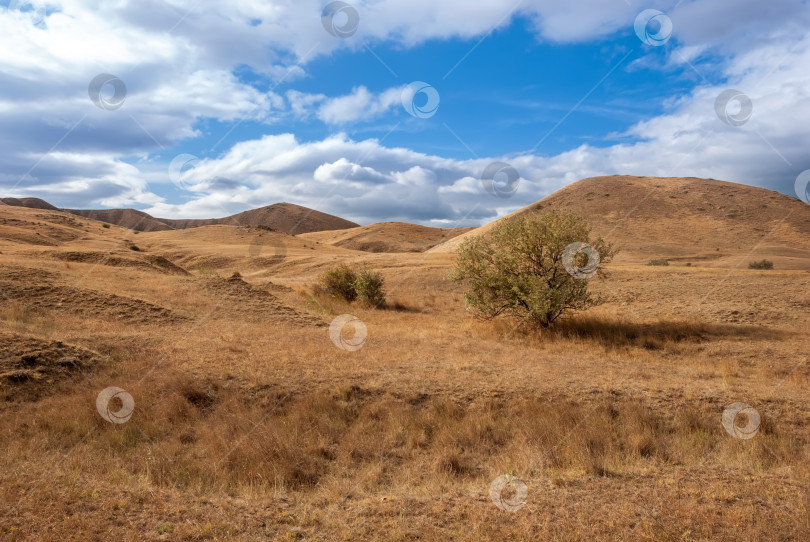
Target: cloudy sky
[440,112]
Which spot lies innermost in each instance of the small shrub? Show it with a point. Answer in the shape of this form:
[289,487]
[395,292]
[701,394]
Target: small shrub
[206,270]
[688,264]
[339,282]
[762,264]
[105,226]
[369,286]
[658,262]
[344,283]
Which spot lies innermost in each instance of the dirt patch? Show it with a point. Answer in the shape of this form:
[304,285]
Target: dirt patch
[254,303]
[49,296]
[22,236]
[273,287]
[27,274]
[29,366]
[61,220]
[37,233]
[164,265]
[217,262]
[149,263]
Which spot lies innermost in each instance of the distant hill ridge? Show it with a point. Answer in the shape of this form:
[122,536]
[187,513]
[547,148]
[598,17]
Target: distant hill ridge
[32,203]
[688,220]
[283,217]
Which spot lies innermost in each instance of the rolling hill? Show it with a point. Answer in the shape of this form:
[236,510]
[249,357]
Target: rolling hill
[31,203]
[126,218]
[284,217]
[387,237]
[681,220]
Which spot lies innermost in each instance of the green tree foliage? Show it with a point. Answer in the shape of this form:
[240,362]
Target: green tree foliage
[519,270]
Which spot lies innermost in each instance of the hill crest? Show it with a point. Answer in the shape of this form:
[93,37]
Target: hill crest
[283,217]
[677,218]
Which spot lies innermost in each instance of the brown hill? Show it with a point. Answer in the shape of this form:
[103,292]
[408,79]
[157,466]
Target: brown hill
[31,203]
[126,218]
[284,217]
[387,237]
[682,220]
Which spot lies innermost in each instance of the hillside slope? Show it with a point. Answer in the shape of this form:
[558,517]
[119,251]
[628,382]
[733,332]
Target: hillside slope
[126,218]
[31,203]
[387,237]
[283,217]
[680,219]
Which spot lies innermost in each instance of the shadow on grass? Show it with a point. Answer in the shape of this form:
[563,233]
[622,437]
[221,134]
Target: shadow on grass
[398,306]
[325,303]
[613,333]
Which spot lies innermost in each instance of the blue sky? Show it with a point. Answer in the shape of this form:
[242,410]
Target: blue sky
[230,107]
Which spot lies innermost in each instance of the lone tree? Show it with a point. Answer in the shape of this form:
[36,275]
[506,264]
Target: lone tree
[533,267]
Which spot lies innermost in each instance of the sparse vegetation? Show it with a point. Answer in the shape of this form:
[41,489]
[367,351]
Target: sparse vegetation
[105,225]
[761,264]
[206,270]
[519,269]
[370,288]
[344,283]
[658,263]
[339,282]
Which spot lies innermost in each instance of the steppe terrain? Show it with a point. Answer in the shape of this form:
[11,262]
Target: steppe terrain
[249,423]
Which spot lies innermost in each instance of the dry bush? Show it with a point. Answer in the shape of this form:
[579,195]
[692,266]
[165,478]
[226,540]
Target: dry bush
[370,288]
[761,264]
[339,282]
[347,284]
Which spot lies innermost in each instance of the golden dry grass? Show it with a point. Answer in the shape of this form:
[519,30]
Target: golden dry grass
[386,237]
[251,424]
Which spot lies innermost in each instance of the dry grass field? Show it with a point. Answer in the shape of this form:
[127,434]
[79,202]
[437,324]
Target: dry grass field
[249,423]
